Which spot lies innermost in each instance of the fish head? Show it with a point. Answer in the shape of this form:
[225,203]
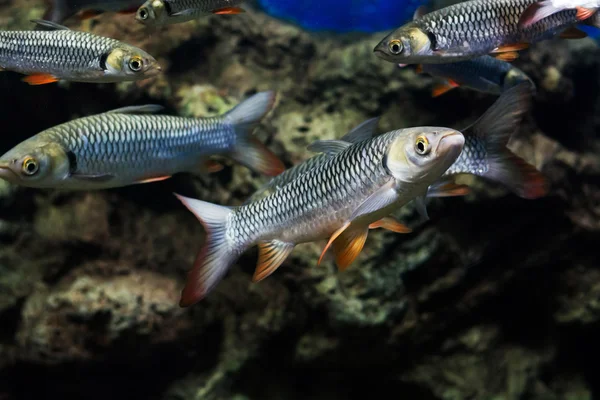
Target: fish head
[35,164]
[423,154]
[405,45]
[128,63]
[152,12]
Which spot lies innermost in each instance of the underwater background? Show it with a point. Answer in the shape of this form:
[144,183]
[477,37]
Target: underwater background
[495,297]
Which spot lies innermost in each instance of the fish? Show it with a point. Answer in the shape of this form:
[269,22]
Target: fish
[338,200]
[545,8]
[485,153]
[471,29]
[133,145]
[60,10]
[164,12]
[485,74]
[60,53]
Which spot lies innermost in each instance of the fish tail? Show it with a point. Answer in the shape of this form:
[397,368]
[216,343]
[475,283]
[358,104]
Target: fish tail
[58,11]
[494,128]
[216,256]
[248,151]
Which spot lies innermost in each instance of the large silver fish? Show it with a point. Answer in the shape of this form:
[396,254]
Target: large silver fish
[339,199]
[484,74]
[127,146]
[163,12]
[60,53]
[470,29]
[484,154]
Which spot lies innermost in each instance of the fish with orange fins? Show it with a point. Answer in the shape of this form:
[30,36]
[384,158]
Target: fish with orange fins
[359,184]
[164,12]
[485,74]
[60,53]
[131,145]
[545,8]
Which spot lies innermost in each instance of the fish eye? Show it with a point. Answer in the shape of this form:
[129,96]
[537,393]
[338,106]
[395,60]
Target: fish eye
[422,145]
[135,64]
[395,46]
[143,13]
[30,166]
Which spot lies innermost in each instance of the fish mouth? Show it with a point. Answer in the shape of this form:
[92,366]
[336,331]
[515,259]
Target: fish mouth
[7,174]
[450,144]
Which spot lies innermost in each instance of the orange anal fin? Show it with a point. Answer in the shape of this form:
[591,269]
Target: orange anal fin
[229,11]
[87,14]
[348,246]
[509,56]
[442,88]
[391,224]
[40,79]
[155,179]
[213,166]
[270,256]
[572,33]
[584,13]
[510,47]
[332,239]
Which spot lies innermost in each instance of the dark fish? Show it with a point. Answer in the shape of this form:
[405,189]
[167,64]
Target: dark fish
[127,146]
[60,53]
[470,29]
[484,74]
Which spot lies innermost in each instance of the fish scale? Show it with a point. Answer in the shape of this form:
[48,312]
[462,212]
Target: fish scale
[487,24]
[66,51]
[324,194]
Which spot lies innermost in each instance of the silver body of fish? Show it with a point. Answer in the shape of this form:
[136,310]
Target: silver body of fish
[163,12]
[339,199]
[469,29]
[62,53]
[127,146]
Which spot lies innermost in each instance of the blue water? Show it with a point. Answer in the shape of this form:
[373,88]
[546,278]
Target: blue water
[352,16]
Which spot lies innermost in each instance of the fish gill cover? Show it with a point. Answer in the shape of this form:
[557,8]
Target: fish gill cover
[333,16]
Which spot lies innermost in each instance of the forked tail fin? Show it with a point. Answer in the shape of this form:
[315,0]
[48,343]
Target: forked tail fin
[249,151]
[494,129]
[216,256]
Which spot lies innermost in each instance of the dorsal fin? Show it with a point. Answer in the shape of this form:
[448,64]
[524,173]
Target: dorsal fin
[49,25]
[419,12]
[361,132]
[329,147]
[145,109]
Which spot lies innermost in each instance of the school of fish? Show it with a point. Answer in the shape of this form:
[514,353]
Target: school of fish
[350,186]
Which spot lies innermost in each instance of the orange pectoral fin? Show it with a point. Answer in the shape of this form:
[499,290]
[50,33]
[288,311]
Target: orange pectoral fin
[270,256]
[391,224]
[40,79]
[213,166]
[584,13]
[348,246]
[229,11]
[442,88]
[509,56]
[510,47]
[155,179]
[332,239]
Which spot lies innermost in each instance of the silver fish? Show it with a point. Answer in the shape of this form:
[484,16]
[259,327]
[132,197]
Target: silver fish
[61,53]
[163,12]
[60,10]
[484,74]
[339,199]
[127,146]
[470,29]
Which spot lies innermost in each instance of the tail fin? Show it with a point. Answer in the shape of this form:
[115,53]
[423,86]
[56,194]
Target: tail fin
[216,256]
[248,151]
[494,128]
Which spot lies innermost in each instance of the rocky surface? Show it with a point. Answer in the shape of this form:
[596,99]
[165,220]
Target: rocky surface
[495,297]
